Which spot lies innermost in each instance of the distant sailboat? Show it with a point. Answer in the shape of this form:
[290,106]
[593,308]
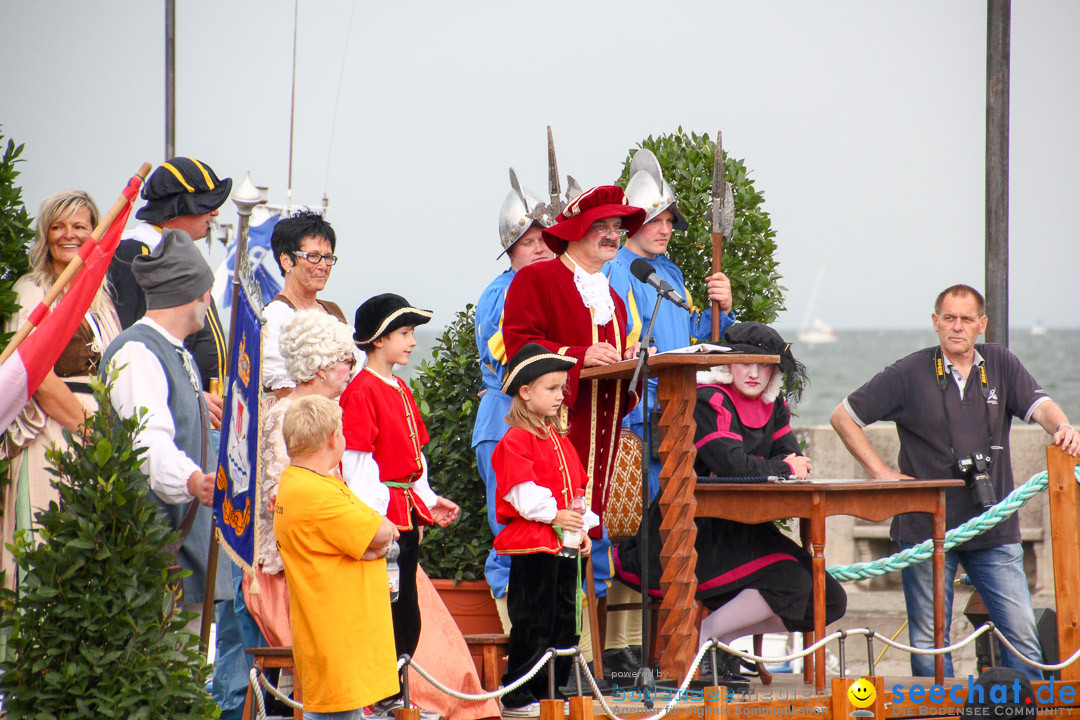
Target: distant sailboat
[1039,329]
[818,332]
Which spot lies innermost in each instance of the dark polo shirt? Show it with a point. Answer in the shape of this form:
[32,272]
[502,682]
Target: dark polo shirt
[908,393]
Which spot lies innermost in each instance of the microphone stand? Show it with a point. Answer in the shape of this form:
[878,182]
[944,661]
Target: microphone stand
[645,678]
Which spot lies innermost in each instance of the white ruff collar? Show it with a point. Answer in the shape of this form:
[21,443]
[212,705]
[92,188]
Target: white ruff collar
[595,293]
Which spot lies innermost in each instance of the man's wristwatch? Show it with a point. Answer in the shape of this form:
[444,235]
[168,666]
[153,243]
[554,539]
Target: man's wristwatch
[1061,425]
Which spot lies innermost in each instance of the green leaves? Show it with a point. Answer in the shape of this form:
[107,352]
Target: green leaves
[687,161]
[15,237]
[446,387]
[93,633]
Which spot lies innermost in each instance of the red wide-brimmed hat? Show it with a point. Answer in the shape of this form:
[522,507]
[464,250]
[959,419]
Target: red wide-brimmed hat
[595,204]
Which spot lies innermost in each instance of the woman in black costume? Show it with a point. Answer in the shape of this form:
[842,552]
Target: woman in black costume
[753,578]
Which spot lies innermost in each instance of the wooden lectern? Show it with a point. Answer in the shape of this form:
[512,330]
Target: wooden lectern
[676,395]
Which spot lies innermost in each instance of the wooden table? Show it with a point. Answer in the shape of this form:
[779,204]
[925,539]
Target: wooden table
[680,497]
[812,502]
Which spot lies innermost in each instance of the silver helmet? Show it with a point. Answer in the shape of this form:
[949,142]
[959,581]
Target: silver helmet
[519,211]
[647,189]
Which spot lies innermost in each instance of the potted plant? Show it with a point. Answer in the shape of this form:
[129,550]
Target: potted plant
[446,388]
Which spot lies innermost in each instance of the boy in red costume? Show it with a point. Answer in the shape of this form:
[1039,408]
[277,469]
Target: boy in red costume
[384,462]
[538,475]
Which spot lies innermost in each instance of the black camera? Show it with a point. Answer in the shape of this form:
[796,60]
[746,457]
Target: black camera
[975,472]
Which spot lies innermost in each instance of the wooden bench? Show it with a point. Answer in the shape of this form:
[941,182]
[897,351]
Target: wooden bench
[274,657]
[488,652]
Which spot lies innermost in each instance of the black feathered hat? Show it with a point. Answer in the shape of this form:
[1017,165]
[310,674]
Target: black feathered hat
[182,186]
[383,314]
[529,363]
[757,339]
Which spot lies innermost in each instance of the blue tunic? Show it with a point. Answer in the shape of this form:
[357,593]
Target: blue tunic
[494,405]
[673,329]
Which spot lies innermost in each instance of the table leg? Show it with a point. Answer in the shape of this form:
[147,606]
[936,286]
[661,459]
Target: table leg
[939,587]
[817,533]
[678,625]
[807,637]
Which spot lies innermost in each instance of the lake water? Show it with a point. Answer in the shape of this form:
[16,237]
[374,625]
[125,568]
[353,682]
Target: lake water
[838,368]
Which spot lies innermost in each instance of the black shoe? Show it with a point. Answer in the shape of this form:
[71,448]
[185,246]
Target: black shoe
[621,666]
[727,670]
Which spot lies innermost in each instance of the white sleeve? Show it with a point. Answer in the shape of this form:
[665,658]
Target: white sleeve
[533,502]
[362,476]
[423,487]
[275,315]
[591,519]
[142,376]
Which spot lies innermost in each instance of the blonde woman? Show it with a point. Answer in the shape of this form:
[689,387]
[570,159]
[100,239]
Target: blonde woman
[64,398]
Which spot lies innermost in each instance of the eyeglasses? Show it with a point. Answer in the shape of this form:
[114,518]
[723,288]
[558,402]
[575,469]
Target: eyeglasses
[349,361]
[315,258]
[609,231]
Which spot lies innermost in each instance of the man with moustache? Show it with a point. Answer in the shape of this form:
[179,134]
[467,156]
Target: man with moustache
[950,402]
[522,218]
[567,306]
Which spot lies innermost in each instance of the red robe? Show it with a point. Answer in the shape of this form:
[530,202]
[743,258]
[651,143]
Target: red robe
[544,306]
[550,462]
[385,422]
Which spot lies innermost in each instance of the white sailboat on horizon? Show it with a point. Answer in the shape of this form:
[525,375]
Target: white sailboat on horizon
[817,332]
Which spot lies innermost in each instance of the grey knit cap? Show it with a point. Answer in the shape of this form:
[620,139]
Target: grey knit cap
[174,274]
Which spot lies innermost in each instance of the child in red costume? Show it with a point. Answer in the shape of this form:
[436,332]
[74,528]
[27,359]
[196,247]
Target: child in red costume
[538,474]
[384,462]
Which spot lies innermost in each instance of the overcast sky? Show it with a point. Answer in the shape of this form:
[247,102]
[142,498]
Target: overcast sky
[863,123]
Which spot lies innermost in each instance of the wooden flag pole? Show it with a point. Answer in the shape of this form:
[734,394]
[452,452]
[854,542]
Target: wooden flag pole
[717,230]
[71,270]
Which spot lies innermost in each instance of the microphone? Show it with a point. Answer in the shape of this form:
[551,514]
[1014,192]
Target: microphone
[643,271]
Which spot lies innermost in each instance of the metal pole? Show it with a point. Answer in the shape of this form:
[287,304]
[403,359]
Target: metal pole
[998,13]
[170,79]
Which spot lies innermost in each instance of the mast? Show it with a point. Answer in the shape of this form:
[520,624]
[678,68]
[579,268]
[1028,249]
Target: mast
[998,24]
[170,79]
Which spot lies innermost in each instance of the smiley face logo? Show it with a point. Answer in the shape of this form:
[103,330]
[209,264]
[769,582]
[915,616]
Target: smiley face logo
[862,693]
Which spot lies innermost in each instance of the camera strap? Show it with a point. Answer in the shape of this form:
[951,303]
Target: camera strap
[943,378]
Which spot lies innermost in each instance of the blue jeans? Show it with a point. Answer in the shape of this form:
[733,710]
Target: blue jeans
[357,714]
[497,567]
[998,575]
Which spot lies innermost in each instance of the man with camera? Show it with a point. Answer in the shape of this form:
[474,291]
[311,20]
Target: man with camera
[953,406]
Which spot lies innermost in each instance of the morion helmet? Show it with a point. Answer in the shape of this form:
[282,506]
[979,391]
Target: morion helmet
[647,189]
[519,211]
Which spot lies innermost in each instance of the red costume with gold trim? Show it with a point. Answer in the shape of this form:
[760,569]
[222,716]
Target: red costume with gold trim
[551,463]
[385,422]
[544,306]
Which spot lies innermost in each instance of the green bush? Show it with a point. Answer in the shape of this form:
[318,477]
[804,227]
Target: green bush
[15,235]
[446,387]
[687,162]
[93,633]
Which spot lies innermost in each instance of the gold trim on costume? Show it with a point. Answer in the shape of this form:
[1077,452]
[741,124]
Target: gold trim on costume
[526,363]
[178,176]
[206,175]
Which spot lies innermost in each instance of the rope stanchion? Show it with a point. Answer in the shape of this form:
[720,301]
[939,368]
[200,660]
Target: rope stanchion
[258,679]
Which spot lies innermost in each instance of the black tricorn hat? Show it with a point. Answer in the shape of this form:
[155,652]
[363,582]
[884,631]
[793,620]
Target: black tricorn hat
[1017,695]
[759,339]
[529,363]
[182,186]
[383,314]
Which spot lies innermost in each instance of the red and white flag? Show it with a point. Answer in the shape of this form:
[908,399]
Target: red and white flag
[22,373]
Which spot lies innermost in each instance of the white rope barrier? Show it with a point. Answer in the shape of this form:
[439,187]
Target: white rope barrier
[257,678]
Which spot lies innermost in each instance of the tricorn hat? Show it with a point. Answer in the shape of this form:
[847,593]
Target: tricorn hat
[182,186]
[529,363]
[174,274]
[383,314]
[597,203]
[754,338]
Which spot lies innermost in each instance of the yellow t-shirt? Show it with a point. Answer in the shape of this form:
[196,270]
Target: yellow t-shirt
[343,637]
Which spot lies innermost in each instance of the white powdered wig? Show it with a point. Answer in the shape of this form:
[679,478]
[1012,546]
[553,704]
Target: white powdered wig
[314,340]
[721,375]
